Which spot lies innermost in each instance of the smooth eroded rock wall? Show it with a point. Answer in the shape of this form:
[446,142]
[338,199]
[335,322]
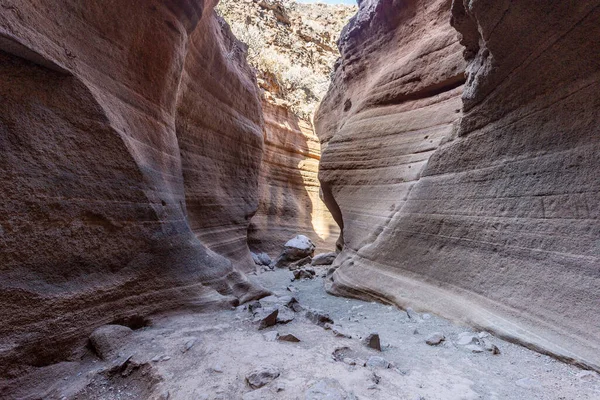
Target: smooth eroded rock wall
[290,202]
[502,229]
[130,140]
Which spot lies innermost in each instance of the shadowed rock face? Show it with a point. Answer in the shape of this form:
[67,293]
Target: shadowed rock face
[290,202]
[130,137]
[499,227]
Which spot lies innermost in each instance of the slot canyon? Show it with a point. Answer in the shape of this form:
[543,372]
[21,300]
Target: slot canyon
[272,199]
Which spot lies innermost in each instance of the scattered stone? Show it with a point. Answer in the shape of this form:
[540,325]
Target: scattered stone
[483,335]
[375,378]
[262,376]
[262,259]
[267,318]
[426,316]
[435,339]
[326,389]
[412,314]
[108,339]
[271,336]
[300,263]
[188,345]
[292,289]
[373,342]
[466,338]
[489,346]
[285,315]
[324,259]
[318,317]
[340,332]
[377,362]
[218,368]
[288,338]
[349,361]
[304,273]
[254,305]
[156,358]
[474,348]
[295,249]
[416,332]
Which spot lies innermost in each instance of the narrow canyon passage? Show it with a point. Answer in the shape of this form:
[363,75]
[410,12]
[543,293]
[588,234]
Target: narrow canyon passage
[271,199]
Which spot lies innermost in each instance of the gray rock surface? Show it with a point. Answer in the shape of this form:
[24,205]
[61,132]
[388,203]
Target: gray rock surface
[262,376]
[324,259]
[108,339]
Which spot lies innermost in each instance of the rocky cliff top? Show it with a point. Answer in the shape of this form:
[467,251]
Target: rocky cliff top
[291,45]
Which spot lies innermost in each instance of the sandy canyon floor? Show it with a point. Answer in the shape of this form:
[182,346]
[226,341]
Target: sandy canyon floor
[209,356]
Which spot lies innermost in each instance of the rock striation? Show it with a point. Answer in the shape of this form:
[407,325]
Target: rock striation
[491,217]
[131,142]
[290,201]
[292,48]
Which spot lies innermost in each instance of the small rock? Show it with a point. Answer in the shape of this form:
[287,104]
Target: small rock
[416,332]
[262,376]
[426,316]
[377,362]
[375,378]
[261,259]
[267,319]
[466,338]
[489,346]
[324,259]
[156,358]
[285,315]
[474,348]
[300,263]
[254,305]
[412,314]
[218,368]
[304,273]
[318,317]
[435,339]
[349,361]
[288,338]
[340,332]
[292,289]
[108,339]
[188,345]
[373,342]
[483,335]
[271,336]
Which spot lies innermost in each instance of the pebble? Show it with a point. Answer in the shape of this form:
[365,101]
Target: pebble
[435,339]
[474,348]
[373,341]
[262,376]
[377,362]
[288,338]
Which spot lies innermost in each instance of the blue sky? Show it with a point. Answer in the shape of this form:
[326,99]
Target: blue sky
[328,1]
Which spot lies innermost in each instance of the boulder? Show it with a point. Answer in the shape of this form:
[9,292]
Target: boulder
[304,273]
[324,259]
[261,259]
[108,339]
[295,249]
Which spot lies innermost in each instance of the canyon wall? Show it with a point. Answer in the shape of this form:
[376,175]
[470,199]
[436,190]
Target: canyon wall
[490,218]
[290,202]
[130,145]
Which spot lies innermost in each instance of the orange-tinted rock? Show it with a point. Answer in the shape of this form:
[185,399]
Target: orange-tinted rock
[501,229]
[130,139]
[289,200]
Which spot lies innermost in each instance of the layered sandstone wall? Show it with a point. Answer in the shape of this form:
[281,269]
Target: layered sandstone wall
[501,230]
[290,202]
[130,143]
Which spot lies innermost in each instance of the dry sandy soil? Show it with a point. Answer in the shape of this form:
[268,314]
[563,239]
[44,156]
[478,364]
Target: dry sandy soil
[208,356]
